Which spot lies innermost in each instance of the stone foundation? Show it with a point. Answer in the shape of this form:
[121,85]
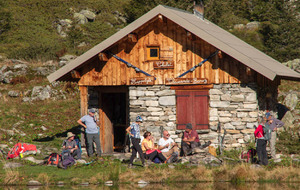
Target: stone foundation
[235,106]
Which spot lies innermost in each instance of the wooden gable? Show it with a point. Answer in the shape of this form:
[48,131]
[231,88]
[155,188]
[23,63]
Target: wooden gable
[177,46]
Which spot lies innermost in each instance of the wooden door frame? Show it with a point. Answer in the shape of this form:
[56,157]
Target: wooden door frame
[110,89]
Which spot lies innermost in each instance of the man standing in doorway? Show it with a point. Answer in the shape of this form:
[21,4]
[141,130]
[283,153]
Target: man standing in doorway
[89,122]
[274,124]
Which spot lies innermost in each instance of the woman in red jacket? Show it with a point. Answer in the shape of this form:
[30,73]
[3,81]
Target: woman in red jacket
[261,143]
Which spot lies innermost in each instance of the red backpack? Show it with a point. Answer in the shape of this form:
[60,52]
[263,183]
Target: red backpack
[20,148]
[53,159]
[248,156]
[15,151]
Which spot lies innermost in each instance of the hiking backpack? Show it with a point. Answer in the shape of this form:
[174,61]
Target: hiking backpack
[15,151]
[53,159]
[267,132]
[248,156]
[173,158]
[67,160]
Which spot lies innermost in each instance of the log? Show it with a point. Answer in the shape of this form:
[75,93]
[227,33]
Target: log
[132,37]
[103,57]
[75,74]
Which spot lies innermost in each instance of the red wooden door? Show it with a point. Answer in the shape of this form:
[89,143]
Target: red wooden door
[192,107]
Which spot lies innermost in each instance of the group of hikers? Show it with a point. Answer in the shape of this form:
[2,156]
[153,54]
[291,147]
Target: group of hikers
[264,133]
[167,150]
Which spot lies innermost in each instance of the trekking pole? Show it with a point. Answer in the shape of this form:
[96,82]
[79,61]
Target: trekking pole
[219,137]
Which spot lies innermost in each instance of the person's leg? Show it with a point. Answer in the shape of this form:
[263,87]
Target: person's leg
[89,138]
[272,144]
[264,153]
[152,155]
[76,154]
[140,151]
[161,157]
[134,151]
[167,154]
[185,148]
[259,150]
[96,138]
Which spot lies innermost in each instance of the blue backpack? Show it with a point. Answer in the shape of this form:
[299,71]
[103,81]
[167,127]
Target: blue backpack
[78,144]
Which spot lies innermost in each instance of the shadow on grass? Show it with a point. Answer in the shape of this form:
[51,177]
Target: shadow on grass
[76,130]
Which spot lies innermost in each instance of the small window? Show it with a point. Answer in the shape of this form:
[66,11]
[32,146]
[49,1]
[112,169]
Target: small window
[152,53]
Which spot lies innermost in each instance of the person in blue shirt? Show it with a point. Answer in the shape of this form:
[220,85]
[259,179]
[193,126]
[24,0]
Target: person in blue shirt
[89,122]
[134,131]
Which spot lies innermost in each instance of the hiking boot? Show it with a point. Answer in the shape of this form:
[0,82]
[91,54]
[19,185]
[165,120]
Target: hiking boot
[206,144]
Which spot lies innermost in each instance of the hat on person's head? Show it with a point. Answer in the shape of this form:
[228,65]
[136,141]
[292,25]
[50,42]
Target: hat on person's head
[139,118]
[92,110]
[70,134]
[189,126]
[268,114]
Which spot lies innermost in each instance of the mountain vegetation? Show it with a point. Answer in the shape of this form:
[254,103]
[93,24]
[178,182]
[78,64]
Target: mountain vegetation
[28,28]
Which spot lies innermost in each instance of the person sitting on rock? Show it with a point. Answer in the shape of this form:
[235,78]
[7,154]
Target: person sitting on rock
[70,145]
[167,145]
[191,140]
[149,150]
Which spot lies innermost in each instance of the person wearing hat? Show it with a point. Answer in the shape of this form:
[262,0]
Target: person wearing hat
[190,140]
[89,122]
[134,132]
[273,124]
[69,144]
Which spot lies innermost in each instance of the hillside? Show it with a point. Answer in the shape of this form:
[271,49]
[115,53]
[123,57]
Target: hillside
[45,30]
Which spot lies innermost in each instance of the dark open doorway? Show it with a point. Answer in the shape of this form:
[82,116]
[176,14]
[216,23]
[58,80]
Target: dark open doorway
[114,107]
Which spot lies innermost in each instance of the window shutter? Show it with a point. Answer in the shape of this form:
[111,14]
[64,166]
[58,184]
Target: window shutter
[200,109]
[192,107]
[183,110]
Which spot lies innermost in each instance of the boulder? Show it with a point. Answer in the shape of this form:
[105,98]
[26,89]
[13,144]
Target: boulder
[288,119]
[88,14]
[34,183]
[291,101]
[80,18]
[12,165]
[13,94]
[41,93]
[252,25]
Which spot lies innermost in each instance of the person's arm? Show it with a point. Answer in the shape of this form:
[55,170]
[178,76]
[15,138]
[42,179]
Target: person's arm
[184,137]
[75,148]
[278,123]
[81,123]
[193,137]
[128,131]
[64,145]
[160,147]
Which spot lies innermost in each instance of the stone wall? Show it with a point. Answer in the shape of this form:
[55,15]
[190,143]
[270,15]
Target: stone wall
[157,106]
[235,106]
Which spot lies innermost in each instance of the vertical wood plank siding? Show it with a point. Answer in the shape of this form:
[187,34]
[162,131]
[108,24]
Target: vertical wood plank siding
[172,40]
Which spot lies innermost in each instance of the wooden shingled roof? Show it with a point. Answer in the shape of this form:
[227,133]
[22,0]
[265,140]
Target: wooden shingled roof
[204,29]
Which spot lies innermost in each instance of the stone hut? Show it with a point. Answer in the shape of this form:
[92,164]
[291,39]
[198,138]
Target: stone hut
[173,67]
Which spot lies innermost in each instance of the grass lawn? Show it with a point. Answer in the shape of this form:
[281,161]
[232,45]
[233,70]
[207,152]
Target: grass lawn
[108,169]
